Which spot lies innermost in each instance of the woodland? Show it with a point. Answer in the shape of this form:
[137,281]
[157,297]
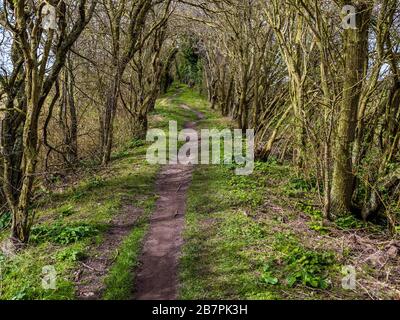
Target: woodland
[82,82]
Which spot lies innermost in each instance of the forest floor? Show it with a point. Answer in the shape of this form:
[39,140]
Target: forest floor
[218,235]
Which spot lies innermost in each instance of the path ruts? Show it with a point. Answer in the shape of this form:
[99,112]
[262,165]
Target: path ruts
[157,276]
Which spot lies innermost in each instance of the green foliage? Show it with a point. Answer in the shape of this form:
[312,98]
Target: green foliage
[316,215]
[77,195]
[136,143]
[121,154]
[299,186]
[245,182]
[95,182]
[61,234]
[120,279]
[127,150]
[238,226]
[218,261]
[251,198]
[349,222]
[22,294]
[310,209]
[5,220]
[71,254]
[2,258]
[66,210]
[21,276]
[262,296]
[304,266]
[190,64]
[267,276]
[265,166]
[245,190]
[317,226]
[309,268]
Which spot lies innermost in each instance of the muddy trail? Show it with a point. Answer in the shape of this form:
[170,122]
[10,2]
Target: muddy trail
[157,275]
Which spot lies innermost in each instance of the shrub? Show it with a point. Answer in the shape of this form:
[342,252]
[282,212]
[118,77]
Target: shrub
[308,267]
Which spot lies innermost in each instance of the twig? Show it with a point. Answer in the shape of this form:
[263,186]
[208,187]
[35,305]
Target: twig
[362,287]
[90,268]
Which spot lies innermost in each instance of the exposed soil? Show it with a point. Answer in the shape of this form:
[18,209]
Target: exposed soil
[89,278]
[157,276]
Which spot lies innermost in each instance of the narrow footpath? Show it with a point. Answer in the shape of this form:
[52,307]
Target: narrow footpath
[157,275]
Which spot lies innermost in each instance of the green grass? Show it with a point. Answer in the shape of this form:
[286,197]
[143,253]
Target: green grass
[214,263]
[235,248]
[218,260]
[233,252]
[238,243]
[73,221]
[169,107]
[120,279]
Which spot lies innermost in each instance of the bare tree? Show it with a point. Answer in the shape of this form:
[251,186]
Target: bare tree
[43,53]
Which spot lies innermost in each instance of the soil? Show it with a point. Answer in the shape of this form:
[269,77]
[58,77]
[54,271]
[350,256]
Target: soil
[157,276]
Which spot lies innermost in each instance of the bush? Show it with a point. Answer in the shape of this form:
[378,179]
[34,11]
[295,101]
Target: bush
[94,183]
[299,186]
[308,267]
[136,143]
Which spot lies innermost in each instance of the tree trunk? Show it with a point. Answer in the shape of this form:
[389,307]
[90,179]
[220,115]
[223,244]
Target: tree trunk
[72,142]
[355,56]
[139,126]
[22,221]
[107,125]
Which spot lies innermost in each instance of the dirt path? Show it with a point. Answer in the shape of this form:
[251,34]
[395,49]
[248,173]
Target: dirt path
[89,277]
[157,276]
